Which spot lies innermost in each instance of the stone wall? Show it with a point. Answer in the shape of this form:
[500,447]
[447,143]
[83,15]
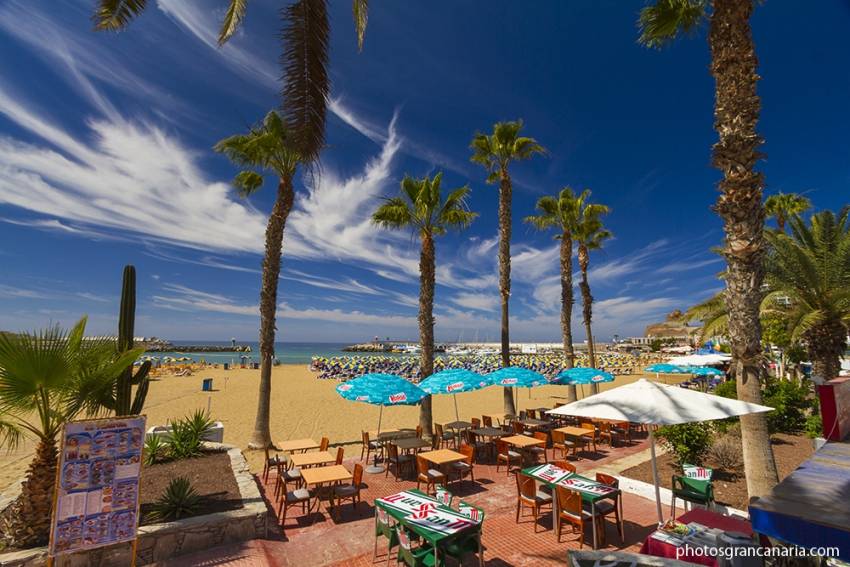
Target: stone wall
[162,541]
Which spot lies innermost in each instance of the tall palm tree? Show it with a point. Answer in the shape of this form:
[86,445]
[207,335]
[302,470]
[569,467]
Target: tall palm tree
[736,113]
[266,148]
[809,270]
[496,152]
[305,33]
[46,379]
[782,206]
[559,212]
[422,209]
[589,234]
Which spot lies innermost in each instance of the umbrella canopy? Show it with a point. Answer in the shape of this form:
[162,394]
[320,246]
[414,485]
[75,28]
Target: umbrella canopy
[704,371]
[581,376]
[517,377]
[700,359]
[382,390]
[652,403]
[454,381]
[666,369]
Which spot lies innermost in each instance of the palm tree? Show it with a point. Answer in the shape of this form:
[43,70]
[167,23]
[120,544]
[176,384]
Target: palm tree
[559,212]
[782,206]
[422,209]
[736,113]
[589,235]
[306,34]
[808,271]
[496,152]
[266,147]
[46,379]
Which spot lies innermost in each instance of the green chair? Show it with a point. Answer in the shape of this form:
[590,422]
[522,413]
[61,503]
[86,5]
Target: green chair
[384,526]
[457,548]
[443,496]
[420,556]
[695,487]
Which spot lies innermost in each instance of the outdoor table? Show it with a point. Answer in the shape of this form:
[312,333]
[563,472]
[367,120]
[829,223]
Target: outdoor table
[590,490]
[312,459]
[459,425]
[499,417]
[435,523]
[297,445]
[534,423]
[523,443]
[442,457]
[490,432]
[575,432]
[324,475]
[390,434]
[409,443]
[659,545]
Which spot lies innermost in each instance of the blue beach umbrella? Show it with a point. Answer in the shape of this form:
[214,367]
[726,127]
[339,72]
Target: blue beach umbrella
[454,381]
[582,376]
[704,371]
[517,377]
[664,368]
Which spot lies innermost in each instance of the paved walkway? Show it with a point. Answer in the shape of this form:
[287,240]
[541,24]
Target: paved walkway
[319,540]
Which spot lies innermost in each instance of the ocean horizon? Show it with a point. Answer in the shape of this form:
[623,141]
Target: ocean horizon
[286,352]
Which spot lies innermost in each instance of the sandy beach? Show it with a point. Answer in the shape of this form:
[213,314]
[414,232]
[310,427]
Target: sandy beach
[302,406]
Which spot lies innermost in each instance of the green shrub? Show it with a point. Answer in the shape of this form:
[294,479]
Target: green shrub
[814,426]
[178,501]
[728,389]
[187,435]
[689,442]
[790,402]
[727,453]
[156,450]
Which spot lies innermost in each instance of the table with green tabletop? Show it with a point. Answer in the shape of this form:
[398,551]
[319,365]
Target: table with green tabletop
[434,522]
[590,490]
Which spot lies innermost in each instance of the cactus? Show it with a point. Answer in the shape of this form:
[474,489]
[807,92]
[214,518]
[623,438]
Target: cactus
[126,327]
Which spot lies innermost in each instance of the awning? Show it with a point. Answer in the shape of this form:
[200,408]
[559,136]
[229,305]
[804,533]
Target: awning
[811,507]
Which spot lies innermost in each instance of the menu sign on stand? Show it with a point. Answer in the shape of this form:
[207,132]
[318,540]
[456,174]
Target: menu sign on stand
[96,501]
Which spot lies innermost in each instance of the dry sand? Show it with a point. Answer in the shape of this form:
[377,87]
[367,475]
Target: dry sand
[302,406]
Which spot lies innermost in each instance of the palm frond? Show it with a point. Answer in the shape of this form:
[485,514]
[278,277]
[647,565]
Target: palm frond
[232,20]
[115,15]
[360,10]
[10,434]
[395,213]
[247,182]
[306,34]
[662,21]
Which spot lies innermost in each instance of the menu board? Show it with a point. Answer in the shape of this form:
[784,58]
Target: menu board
[97,500]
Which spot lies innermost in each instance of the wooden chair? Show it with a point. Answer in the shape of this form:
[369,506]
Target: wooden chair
[419,431]
[518,427]
[540,451]
[487,420]
[562,444]
[607,432]
[476,423]
[529,496]
[269,464]
[340,452]
[464,467]
[442,438]
[400,462]
[292,498]
[589,439]
[349,491]
[428,475]
[480,447]
[565,465]
[532,414]
[606,507]
[506,455]
[368,446]
[323,445]
[570,511]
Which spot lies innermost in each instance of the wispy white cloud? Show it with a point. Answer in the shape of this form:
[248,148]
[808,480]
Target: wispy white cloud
[479,301]
[12,292]
[685,266]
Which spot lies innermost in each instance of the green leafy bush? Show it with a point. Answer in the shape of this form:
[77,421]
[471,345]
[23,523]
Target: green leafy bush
[178,501]
[156,450]
[790,402]
[187,435]
[728,389]
[689,442]
[727,453]
[814,426]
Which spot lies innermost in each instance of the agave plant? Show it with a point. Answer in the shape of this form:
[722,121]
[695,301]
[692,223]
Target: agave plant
[178,501]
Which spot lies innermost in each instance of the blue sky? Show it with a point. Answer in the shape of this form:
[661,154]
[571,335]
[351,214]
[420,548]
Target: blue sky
[105,159]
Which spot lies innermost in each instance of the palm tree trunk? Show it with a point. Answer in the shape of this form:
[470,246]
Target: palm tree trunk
[505,190]
[26,522]
[826,344]
[736,113]
[567,306]
[587,308]
[261,438]
[427,282]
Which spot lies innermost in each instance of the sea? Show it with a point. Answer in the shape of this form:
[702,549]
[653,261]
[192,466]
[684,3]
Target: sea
[286,353]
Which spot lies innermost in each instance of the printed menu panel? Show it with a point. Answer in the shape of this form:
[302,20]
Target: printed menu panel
[97,501]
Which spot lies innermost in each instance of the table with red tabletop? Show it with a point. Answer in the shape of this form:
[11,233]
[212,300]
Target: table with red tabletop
[707,518]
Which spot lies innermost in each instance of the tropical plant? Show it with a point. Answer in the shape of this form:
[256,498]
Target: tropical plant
[306,34]
[178,501]
[187,435]
[814,426]
[266,147]
[422,209]
[589,234]
[495,152]
[791,404]
[48,378]
[783,206]
[559,212]
[736,113]
[125,402]
[808,277]
[155,450]
[689,442]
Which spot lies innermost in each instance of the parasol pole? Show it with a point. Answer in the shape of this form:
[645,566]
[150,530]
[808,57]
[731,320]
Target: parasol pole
[375,468]
[655,473]
[380,418]
[454,397]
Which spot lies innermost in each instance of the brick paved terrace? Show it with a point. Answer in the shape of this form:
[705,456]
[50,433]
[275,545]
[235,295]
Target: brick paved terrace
[348,539]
